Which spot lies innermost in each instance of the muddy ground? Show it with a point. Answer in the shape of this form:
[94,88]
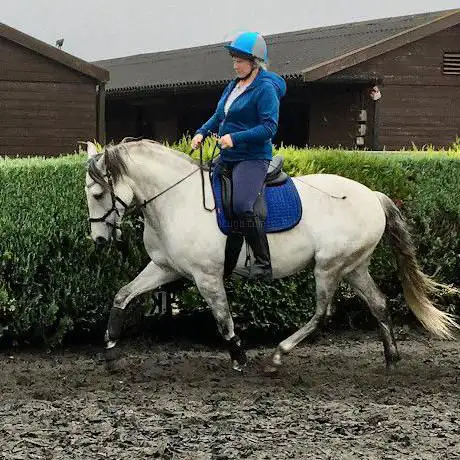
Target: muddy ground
[332,400]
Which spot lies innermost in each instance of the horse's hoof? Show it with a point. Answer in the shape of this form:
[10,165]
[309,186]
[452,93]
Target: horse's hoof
[392,363]
[238,367]
[237,354]
[270,369]
[114,366]
[272,365]
[392,367]
[113,361]
[112,354]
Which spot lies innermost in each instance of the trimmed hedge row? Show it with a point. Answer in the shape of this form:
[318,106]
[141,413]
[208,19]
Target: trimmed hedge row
[55,285]
[52,280]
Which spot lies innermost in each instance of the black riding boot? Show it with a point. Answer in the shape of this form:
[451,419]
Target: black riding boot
[232,251]
[253,230]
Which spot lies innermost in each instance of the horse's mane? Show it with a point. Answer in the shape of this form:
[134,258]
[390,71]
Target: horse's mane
[114,158]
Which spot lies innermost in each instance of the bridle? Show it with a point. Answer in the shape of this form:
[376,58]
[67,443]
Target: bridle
[116,199]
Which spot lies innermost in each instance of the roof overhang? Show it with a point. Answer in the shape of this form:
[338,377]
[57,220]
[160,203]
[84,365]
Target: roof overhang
[360,55]
[66,59]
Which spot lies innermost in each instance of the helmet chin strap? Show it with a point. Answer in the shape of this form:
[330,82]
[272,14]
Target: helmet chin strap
[249,74]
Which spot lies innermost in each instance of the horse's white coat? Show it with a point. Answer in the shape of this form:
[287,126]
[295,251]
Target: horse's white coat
[183,239]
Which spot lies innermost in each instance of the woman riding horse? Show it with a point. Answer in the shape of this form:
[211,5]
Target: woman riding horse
[246,119]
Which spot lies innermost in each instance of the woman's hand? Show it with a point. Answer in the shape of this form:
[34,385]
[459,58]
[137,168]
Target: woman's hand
[196,141]
[226,142]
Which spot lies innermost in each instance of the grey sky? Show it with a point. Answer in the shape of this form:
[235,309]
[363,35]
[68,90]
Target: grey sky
[100,29]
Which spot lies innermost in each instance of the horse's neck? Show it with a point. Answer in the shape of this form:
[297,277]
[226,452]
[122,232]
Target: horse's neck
[153,173]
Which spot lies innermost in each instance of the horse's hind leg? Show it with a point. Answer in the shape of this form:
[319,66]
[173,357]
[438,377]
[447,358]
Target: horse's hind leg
[148,279]
[364,285]
[327,280]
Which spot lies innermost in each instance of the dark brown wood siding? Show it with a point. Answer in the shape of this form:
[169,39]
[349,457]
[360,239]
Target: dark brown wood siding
[121,120]
[334,115]
[163,117]
[419,105]
[45,107]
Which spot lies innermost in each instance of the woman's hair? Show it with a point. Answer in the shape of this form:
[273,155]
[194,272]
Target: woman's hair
[260,63]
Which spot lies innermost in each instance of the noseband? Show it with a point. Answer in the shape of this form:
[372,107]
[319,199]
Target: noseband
[115,199]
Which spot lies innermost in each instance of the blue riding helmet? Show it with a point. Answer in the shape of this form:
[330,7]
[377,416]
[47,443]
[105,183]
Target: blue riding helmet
[249,44]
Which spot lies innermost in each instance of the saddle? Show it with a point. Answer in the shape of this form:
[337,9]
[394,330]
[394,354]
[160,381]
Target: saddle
[278,205]
[275,177]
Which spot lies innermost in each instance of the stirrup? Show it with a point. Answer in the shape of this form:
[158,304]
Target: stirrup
[254,273]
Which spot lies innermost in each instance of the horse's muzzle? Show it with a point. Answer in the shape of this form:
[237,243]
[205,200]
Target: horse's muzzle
[100,242]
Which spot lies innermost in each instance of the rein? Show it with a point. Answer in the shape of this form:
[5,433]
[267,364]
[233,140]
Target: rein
[146,202]
[201,168]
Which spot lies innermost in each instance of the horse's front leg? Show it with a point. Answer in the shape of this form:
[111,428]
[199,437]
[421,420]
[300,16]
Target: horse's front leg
[212,289]
[150,278]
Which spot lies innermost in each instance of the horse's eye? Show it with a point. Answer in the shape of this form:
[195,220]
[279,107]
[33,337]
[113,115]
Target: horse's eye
[98,196]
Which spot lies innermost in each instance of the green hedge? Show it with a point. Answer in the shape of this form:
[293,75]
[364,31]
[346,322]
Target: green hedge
[55,285]
[52,280]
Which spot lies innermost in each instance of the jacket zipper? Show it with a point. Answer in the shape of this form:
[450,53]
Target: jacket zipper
[236,98]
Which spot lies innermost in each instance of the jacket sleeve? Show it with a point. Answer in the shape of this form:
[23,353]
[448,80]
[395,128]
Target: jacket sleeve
[268,111]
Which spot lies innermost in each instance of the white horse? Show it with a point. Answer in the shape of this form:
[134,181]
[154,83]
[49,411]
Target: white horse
[183,240]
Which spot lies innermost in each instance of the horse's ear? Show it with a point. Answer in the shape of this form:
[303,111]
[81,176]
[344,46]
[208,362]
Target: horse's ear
[91,149]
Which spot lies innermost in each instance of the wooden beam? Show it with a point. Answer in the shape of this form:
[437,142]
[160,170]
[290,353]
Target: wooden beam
[100,132]
[376,126]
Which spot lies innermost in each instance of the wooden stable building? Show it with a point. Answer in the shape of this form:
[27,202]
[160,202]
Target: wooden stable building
[49,100]
[381,84]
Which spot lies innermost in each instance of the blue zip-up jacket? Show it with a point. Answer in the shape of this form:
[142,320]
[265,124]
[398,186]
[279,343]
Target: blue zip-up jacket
[252,119]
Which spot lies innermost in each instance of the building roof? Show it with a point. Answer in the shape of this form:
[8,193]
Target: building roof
[303,55]
[51,52]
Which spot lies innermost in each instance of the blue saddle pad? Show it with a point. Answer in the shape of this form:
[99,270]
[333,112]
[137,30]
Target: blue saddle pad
[284,208]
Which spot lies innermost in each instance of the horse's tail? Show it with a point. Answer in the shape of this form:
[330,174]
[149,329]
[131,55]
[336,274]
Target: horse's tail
[417,286]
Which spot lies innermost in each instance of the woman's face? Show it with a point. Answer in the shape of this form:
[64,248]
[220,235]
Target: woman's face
[241,66]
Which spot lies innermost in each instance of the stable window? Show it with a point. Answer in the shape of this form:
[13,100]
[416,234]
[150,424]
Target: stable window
[451,63]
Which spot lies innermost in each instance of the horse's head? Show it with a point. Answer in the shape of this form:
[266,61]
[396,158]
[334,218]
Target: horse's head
[108,196]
